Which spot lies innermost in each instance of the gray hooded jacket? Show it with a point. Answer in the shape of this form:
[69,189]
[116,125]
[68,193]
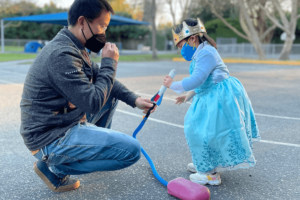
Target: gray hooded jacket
[63,73]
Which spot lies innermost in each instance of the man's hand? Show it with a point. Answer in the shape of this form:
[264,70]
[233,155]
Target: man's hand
[168,81]
[110,51]
[144,104]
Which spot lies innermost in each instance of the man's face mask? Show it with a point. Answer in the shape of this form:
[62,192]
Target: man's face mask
[187,51]
[96,42]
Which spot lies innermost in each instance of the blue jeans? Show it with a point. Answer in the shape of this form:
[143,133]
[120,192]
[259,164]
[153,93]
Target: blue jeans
[87,148]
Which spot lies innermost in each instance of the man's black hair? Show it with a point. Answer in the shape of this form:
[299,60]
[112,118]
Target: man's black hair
[90,9]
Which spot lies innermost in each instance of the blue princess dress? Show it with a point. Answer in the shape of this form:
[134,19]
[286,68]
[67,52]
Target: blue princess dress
[220,125]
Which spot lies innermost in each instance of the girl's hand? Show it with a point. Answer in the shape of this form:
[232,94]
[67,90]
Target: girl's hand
[180,99]
[168,81]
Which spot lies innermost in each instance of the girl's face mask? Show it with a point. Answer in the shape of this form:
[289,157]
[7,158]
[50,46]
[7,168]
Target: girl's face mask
[187,51]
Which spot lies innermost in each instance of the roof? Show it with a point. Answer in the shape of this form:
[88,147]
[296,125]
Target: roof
[62,19]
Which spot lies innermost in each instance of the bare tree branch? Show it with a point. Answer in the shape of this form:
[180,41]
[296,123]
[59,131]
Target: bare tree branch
[244,25]
[226,23]
[247,18]
[181,5]
[273,19]
[265,34]
[170,2]
[189,9]
[281,13]
[185,8]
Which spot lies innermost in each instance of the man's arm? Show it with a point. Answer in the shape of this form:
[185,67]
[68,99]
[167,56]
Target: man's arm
[66,76]
[119,91]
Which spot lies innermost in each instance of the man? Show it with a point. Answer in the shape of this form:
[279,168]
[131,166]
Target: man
[68,102]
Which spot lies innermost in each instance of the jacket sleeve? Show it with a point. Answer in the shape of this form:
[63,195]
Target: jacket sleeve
[119,91]
[67,77]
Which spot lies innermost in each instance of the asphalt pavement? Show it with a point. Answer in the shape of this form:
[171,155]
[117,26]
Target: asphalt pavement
[273,90]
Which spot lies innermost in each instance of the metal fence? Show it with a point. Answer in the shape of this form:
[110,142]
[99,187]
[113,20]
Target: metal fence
[17,45]
[245,50]
[241,50]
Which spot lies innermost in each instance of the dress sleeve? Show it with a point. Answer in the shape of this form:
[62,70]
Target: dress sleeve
[205,63]
[177,87]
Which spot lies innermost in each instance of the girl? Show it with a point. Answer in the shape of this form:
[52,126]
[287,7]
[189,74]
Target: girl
[219,126]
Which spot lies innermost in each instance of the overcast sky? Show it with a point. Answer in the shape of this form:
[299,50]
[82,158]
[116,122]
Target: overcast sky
[162,17]
[59,3]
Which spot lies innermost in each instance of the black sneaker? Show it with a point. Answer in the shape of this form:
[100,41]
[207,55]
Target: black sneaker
[55,183]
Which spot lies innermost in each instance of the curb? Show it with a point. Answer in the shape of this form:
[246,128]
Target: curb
[273,62]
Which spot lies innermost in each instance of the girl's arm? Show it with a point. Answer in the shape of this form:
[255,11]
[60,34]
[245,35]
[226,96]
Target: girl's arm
[205,63]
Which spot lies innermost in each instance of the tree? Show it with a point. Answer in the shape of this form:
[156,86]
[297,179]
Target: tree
[255,27]
[153,18]
[186,8]
[216,28]
[126,31]
[29,30]
[287,24]
[172,10]
[122,6]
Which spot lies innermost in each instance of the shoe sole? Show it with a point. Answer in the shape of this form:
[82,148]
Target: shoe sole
[66,188]
[191,170]
[207,182]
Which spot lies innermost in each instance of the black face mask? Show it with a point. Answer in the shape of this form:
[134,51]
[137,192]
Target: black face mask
[96,42]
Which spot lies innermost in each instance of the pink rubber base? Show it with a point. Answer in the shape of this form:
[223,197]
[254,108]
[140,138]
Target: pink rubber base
[187,190]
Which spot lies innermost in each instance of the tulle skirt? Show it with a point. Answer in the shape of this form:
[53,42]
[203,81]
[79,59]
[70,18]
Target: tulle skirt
[220,127]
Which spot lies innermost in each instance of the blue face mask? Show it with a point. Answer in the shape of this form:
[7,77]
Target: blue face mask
[187,51]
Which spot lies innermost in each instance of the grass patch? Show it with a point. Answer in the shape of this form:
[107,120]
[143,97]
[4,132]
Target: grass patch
[142,58]
[14,48]
[123,58]
[15,56]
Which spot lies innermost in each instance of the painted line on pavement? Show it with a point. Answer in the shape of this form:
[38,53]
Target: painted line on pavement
[274,116]
[258,114]
[180,126]
[280,143]
[152,119]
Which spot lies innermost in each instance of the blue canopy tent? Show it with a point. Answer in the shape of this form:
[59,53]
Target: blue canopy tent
[62,19]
